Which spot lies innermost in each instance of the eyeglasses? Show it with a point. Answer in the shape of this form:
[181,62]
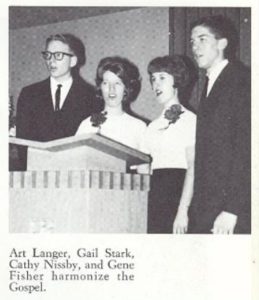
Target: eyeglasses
[57,55]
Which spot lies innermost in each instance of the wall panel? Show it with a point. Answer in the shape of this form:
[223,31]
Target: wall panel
[245,36]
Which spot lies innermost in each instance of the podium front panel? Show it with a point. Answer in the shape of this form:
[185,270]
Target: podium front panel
[78,202]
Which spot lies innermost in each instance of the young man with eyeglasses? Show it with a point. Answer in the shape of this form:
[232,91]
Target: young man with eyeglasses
[54,108]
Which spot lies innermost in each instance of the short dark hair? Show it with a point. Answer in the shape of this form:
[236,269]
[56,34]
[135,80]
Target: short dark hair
[221,27]
[74,43]
[126,71]
[182,69]
[173,65]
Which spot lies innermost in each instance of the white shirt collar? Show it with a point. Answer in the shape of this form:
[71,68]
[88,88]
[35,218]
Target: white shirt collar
[213,73]
[54,82]
[66,85]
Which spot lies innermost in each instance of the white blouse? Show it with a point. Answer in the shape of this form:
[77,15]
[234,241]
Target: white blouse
[167,145]
[124,129]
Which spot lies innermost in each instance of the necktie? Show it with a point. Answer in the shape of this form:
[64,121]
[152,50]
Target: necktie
[205,88]
[57,97]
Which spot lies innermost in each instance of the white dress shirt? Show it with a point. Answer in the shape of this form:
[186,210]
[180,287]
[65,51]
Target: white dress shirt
[214,72]
[168,146]
[123,128]
[66,85]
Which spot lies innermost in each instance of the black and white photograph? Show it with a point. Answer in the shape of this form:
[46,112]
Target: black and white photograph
[187,168]
[130,151]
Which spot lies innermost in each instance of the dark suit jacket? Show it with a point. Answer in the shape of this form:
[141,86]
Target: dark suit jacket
[223,151]
[36,119]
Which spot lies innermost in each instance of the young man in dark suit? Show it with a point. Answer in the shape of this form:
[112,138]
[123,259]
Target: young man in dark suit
[222,196]
[54,108]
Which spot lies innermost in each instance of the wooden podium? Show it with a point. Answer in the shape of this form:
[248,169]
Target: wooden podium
[78,184]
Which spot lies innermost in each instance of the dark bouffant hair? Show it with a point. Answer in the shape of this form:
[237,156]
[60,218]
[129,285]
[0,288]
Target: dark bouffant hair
[177,67]
[221,27]
[174,65]
[126,71]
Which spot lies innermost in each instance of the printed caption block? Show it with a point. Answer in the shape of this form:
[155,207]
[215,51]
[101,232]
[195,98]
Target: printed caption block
[29,270]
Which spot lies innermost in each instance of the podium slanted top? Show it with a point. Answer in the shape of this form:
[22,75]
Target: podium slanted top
[92,140]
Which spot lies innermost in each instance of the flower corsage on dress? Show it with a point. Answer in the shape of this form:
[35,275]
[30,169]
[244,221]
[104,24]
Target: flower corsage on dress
[97,119]
[172,114]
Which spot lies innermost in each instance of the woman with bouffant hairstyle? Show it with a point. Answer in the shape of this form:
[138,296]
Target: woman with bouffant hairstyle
[118,84]
[170,140]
